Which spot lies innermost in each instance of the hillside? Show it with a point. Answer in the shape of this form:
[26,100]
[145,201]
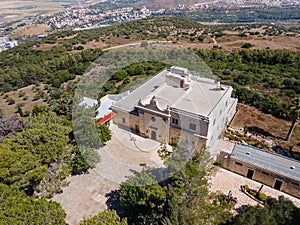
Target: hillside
[261,62]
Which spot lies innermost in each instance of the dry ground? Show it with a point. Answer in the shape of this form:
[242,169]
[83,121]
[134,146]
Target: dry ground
[30,30]
[10,10]
[275,129]
[231,43]
[9,110]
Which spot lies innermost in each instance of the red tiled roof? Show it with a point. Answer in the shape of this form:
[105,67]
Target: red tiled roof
[105,118]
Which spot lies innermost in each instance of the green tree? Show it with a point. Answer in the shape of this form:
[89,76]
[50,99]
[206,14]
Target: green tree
[18,209]
[142,198]
[279,211]
[38,157]
[85,158]
[188,199]
[104,133]
[295,113]
[106,217]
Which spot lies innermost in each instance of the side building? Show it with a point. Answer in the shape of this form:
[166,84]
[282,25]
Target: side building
[176,103]
[279,172]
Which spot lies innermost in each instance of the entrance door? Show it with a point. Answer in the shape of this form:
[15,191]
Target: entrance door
[278,184]
[250,174]
[137,128]
[153,135]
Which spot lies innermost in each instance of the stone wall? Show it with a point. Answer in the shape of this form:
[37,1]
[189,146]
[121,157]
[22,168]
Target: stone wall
[289,186]
[190,138]
[155,126]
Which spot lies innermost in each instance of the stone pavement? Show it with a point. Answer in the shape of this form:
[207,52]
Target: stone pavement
[120,158]
[226,181]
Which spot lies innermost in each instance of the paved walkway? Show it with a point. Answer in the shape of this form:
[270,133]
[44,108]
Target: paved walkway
[226,181]
[120,158]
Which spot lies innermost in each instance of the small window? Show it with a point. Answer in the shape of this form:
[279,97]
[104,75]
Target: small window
[265,173]
[238,163]
[221,112]
[294,183]
[175,121]
[153,119]
[214,122]
[123,120]
[192,126]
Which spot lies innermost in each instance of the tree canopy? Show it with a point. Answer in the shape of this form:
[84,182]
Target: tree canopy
[279,211]
[18,208]
[106,217]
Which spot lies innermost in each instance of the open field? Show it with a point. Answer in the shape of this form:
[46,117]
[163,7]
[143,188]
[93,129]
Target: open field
[23,8]
[13,10]
[30,30]
[24,96]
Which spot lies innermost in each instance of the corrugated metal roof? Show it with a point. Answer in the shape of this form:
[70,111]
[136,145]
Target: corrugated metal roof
[279,164]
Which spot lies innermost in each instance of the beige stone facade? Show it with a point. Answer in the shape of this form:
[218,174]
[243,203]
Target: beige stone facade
[265,168]
[175,104]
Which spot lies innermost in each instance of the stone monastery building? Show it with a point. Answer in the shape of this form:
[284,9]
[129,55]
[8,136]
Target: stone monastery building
[176,103]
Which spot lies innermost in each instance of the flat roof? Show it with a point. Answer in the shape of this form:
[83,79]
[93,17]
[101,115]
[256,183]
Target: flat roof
[279,164]
[200,98]
[128,103]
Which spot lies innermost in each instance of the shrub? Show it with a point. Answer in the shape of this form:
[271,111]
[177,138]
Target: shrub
[247,45]
[262,197]
[20,105]
[201,38]
[36,97]
[21,94]
[10,101]
[219,163]
[80,47]
[20,110]
[252,192]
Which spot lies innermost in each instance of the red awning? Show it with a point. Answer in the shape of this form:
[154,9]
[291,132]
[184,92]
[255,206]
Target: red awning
[105,118]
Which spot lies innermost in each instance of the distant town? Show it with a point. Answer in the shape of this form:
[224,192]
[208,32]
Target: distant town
[95,15]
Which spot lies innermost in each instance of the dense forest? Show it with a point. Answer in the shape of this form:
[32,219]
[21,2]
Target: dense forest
[38,151]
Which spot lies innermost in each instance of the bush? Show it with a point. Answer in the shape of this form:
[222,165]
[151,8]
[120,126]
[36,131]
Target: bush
[36,97]
[21,94]
[80,47]
[252,192]
[10,101]
[219,163]
[247,45]
[262,197]
[20,105]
